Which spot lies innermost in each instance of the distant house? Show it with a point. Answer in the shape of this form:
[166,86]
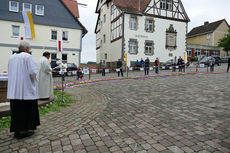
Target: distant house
[56,27]
[140,29]
[203,40]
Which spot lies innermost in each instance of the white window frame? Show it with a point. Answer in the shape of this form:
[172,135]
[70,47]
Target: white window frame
[189,53]
[150,49]
[197,52]
[148,24]
[133,23]
[36,10]
[163,4]
[133,46]
[10,6]
[12,35]
[169,5]
[208,36]
[51,34]
[67,36]
[30,7]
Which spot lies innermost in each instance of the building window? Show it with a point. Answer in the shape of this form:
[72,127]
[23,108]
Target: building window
[207,53]
[216,53]
[64,58]
[189,53]
[208,36]
[104,38]
[149,46]
[27,7]
[133,23]
[65,35]
[104,18]
[15,31]
[53,34]
[133,46]
[39,10]
[13,6]
[149,25]
[197,52]
[166,4]
[106,56]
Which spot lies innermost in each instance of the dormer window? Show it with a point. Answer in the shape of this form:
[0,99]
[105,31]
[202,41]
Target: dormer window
[13,6]
[39,10]
[27,7]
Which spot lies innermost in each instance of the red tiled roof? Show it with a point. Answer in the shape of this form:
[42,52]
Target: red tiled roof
[132,5]
[72,7]
[208,27]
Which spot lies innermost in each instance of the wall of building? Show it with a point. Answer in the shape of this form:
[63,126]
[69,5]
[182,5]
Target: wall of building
[201,40]
[158,37]
[40,44]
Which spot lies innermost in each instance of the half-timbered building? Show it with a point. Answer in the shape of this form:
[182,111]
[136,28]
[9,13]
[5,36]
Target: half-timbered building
[140,29]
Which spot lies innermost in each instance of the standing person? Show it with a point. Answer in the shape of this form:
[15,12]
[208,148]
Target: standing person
[45,79]
[63,69]
[157,64]
[137,65]
[119,66]
[103,66]
[228,64]
[142,62]
[23,92]
[147,63]
[212,63]
[180,63]
[174,64]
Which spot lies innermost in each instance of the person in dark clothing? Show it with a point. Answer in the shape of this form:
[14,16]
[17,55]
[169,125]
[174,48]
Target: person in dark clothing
[157,64]
[103,66]
[119,66]
[180,63]
[228,64]
[142,62]
[147,63]
[174,64]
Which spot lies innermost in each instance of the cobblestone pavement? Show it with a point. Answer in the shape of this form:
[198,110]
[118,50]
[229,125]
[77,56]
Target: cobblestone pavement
[188,113]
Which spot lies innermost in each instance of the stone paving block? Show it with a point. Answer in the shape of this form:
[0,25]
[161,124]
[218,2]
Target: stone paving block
[158,147]
[175,149]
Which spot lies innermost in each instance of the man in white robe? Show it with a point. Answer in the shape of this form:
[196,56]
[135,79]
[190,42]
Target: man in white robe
[45,79]
[22,92]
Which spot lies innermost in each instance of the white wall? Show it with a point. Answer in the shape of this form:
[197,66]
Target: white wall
[42,39]
[158,37]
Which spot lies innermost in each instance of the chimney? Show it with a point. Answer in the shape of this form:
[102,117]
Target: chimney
[206,23]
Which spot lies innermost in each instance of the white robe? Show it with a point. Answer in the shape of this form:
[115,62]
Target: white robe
[22,81]
[45,79]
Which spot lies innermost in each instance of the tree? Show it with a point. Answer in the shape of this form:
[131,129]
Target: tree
[225,42]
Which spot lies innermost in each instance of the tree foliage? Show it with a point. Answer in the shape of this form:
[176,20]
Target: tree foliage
[225,42]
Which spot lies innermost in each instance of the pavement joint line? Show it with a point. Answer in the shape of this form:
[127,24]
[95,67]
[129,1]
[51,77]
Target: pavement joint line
[97,81]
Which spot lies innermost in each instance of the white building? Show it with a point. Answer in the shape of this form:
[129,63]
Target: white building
[54,20]
[140,28]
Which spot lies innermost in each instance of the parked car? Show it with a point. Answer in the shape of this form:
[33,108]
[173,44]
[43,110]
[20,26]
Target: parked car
[206,60]
[224,59]
[71,69]
[167,65]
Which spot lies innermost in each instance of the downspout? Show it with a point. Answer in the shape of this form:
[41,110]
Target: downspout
[79,60]
[123,37]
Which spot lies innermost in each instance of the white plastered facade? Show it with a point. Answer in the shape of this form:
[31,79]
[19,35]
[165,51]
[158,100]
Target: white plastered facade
[40,44]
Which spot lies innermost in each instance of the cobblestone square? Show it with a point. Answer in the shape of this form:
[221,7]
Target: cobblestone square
[182,113]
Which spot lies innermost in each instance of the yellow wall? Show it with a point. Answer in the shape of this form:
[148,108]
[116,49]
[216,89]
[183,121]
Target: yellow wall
[201,40]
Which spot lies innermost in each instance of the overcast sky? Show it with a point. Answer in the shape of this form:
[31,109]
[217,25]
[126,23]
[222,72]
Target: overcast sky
[198,11]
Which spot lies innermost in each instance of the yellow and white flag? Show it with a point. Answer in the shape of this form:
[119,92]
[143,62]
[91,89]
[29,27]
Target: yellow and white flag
[29,24]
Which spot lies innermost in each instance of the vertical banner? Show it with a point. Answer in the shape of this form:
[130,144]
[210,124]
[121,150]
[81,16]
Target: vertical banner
[59,45]
[29,24]
[185,57]
[126,59]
